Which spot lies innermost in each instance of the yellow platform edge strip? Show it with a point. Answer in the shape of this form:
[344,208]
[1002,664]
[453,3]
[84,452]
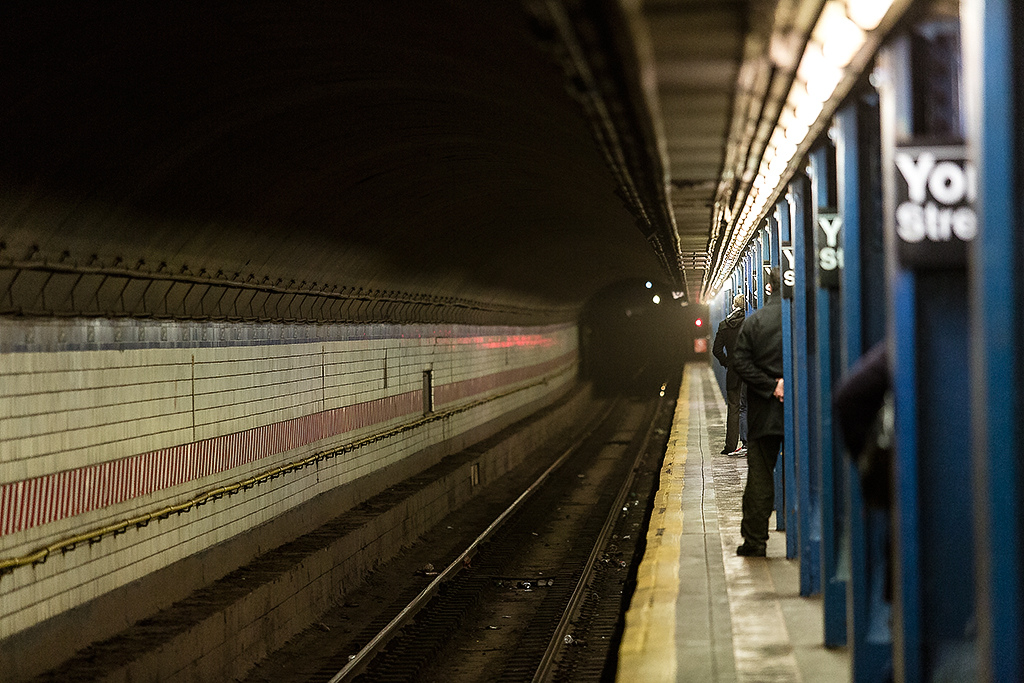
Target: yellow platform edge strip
[648,649]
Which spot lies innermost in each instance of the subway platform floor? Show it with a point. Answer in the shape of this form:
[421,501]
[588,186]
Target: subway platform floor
[700,613]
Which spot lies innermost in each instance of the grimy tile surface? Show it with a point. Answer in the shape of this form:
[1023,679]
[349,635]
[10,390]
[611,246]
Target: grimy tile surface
[700,613]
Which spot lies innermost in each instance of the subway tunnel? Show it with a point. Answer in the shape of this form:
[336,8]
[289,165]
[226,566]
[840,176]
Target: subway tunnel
[260,262]
[376,154]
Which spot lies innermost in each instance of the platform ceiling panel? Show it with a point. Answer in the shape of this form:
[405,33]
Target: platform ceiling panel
[697,51]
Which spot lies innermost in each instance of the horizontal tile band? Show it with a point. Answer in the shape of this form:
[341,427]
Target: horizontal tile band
[33,502]
[95,535]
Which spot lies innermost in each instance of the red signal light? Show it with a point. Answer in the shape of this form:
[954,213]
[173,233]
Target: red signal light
[698,322]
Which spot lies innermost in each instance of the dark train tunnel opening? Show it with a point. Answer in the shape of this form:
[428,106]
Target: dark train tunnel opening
[636,335]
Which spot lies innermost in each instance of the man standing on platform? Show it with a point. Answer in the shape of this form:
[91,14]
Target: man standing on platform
[758,360]
[725,343]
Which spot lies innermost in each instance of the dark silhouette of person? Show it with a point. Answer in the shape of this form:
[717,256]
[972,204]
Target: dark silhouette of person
[725,343]
[758,360]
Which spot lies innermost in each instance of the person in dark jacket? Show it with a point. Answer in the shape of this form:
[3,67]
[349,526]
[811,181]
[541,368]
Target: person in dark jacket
[861,405]
[725,342]
[758,360]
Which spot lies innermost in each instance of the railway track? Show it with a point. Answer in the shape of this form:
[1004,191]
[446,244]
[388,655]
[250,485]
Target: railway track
[520,603]
[527,581]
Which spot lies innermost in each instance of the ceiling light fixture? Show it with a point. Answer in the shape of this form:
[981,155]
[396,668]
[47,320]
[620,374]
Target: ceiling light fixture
[868,14]
[807,109]
[839,34]
[796,132]
[840,38]
[820,75]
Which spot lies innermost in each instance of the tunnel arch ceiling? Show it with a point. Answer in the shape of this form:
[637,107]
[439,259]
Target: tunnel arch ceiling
[355,149]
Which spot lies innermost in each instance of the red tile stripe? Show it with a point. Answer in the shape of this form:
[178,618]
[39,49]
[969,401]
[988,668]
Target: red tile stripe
[33,502]
[457,391]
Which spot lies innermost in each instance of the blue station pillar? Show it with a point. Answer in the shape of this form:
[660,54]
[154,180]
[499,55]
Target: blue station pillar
[787,259]
[827,265]
[800,394]
[992,63]
[864,556]
[928,194]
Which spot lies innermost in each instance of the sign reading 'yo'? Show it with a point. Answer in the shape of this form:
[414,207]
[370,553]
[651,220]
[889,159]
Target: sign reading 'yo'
[935,218]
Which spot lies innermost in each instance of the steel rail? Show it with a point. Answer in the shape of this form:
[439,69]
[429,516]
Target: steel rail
[544,669]
[360,660]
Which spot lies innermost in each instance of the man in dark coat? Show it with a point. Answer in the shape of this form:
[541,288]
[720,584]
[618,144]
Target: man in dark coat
[758,360]
[725,342]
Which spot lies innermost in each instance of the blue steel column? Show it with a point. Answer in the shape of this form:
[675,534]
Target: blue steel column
[789,437]
[771,259]
[934,596]
[996,334]
[748,265]
[866,531]
[800,392]
[756,270]
[742,267]
[831,473]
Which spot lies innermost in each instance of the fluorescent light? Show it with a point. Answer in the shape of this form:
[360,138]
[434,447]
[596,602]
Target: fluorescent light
[840,38]
[786,150]
[796,132]
[808,110]
[868,14]
[820,75]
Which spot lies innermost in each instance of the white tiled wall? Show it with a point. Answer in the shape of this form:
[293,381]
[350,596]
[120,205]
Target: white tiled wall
[65,409]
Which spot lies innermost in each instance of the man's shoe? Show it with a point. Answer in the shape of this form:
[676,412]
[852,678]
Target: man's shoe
[742,450]
[725,451]
[750,551]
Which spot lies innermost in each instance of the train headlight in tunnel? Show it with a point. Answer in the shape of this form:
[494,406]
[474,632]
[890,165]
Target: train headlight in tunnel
[656,299]
[698,322]
[649,284]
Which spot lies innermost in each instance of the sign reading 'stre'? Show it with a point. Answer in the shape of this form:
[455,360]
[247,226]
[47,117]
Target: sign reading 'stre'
[935,218]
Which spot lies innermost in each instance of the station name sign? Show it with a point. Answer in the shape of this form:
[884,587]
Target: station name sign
[936,188]
[829,249]
[788,275]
